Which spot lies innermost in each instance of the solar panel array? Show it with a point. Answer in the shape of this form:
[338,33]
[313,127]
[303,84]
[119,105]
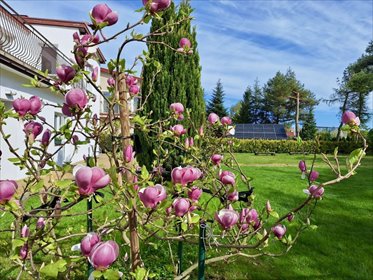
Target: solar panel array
[260,131]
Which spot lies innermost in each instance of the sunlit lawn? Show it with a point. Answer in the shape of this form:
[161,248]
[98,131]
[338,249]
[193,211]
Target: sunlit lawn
[340,248]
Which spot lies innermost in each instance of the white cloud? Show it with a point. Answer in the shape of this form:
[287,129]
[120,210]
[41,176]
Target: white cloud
[242,40]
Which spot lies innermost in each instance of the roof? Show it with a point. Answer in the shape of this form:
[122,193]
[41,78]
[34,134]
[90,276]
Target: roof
[81,26]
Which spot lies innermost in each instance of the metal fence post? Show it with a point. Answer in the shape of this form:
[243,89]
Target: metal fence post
[201,251]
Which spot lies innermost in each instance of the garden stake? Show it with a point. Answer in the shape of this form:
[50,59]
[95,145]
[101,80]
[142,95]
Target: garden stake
[179,251]
[89,222]
[201,251]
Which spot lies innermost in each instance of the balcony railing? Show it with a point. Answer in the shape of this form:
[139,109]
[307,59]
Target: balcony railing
[23,44]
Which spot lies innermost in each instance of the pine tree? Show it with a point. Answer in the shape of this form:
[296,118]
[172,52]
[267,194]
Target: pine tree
[309,128]
[178,79]
[279,105]
[216,104]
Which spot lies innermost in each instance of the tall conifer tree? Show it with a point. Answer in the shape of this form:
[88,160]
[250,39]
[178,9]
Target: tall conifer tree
[216,104]
[179,78]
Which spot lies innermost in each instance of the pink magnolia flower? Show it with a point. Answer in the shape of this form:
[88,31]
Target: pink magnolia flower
[40,224]
[268,207]
[178,130]
[315,191]
[75,139]
[185,175]
[194,193]
[7,189]
[302,166]
[80,55]
[233,196]
[177,108]
[46,138]
[33,129]
[185,43]
[200,131]
[76,98]
[252,216]
[131,80]
[216,159]
[90,180]
[35,105]
[129,154]
[290,217]
[111,82]
[226,121]
[103,254]
[23,252]
[25,232]
[279,231]
[134,89]
[21,106]
[314,175]
[95,74]
[227,178]
[213,118]
[350,118]
[65,73]
[101,13]
[227,218]
[151,196]
[88,242]
[181,206]
[157,5]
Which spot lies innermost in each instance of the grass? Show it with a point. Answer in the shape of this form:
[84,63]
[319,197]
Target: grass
[341,247]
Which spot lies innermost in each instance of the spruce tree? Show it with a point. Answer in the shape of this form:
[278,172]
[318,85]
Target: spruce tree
[216,104]
[309,128]
[177,80]
[245,113]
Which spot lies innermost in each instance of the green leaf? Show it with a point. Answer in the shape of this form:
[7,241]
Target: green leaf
[195,219]
[96,274]
[336,151]
[313,227]
[111,274]
[184,226]
[17,243]
[346,128]
[51,270]
[144,173]
[63,183]
[274,214]
[355,155]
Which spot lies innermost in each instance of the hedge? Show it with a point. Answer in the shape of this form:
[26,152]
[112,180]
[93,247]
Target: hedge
[292,146]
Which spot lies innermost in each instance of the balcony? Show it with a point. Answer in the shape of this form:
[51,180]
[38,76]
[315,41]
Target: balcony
[23,46]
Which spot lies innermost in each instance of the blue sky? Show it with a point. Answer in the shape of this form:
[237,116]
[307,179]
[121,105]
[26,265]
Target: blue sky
[239,41]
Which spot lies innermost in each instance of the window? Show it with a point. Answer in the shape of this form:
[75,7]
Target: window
[49,59]
[105,104]
[59,121]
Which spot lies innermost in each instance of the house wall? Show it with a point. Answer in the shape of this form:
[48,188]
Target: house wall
[11,82]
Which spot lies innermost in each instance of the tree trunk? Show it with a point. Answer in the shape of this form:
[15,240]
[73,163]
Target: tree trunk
[125,126]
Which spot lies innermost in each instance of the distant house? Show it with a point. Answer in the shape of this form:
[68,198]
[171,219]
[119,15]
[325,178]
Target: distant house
[260,131]
[104,106]
[27,46]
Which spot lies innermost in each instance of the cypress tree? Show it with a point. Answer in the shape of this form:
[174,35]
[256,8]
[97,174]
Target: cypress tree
[177,80]
[216,104]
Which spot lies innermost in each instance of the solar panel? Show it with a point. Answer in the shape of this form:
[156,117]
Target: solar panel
[260,131]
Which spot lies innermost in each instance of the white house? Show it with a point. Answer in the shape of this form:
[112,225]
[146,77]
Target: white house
[28,45]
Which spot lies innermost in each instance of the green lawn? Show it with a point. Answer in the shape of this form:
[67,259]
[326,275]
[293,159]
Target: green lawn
[341,247]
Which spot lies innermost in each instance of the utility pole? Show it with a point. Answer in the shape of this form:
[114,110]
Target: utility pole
[296,112]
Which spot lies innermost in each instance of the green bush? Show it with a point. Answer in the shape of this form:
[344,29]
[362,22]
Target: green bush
[292,146]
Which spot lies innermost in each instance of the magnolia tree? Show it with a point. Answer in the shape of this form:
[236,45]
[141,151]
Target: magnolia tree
[197,203]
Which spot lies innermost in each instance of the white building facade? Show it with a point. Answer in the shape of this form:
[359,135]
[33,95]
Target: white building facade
[29,45]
